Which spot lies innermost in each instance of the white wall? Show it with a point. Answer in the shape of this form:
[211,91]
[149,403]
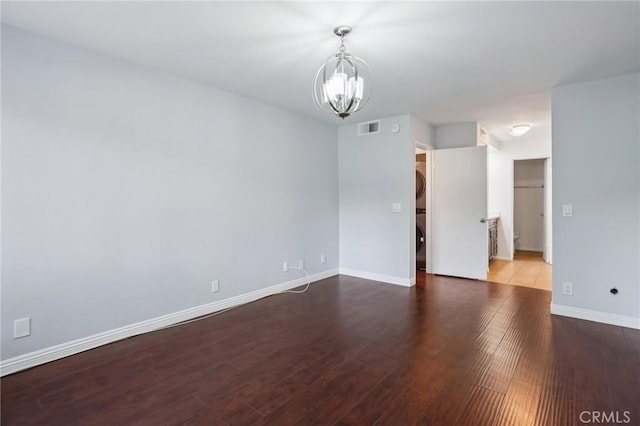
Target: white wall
[456,135]
[376,171]
[126,191]
[422,132]
[500,185]
[528,204]
[499,174]
[596,168]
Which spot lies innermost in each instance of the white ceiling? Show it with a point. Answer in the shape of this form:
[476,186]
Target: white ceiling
[446,62]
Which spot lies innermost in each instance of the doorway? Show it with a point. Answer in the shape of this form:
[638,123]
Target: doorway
[531,228]
[423,188]
[456,237]
[528,206]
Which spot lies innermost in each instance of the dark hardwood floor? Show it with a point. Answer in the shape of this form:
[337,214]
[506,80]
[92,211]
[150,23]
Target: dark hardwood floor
[349,351]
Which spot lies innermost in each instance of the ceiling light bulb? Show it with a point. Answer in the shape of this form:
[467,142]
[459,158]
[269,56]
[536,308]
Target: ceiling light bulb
[519,129]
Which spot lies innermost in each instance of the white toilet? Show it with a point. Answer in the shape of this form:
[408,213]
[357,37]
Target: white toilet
[516,237]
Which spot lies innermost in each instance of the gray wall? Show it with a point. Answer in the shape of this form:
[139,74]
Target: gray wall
[596,164]
[456,135]
[375,171]
[126,191]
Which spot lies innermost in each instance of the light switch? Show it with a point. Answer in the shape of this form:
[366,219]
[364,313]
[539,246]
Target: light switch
[396,207]
[567,210]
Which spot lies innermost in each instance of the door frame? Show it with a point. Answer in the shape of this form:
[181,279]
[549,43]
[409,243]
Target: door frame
[546,194]
[429,208]
[547,206]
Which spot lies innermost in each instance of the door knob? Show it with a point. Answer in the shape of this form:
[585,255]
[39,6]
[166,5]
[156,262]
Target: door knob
[483,220]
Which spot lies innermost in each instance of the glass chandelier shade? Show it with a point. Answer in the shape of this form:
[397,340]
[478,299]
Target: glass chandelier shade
[342,85]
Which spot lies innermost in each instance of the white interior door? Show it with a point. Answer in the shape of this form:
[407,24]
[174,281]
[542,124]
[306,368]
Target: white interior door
[459,228]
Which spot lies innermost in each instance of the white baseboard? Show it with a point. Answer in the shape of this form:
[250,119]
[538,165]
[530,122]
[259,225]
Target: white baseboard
[597,316]
[502,258]
[405,282]
[53,353]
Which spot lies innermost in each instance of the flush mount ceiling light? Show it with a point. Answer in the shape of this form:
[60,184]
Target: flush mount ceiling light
[343,84]
[519,129]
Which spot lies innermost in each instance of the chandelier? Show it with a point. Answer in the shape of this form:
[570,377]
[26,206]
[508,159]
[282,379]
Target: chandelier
[343,84]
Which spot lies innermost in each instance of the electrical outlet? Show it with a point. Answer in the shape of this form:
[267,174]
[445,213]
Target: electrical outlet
[301,264]
[285,267]
[21,328]
[215,286]
[567,289]
[323,258]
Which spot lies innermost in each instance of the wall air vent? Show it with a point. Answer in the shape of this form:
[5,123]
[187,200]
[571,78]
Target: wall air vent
[368,128]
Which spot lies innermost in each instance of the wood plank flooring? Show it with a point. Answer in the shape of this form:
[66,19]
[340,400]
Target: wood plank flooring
[349,352]
[527,269]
